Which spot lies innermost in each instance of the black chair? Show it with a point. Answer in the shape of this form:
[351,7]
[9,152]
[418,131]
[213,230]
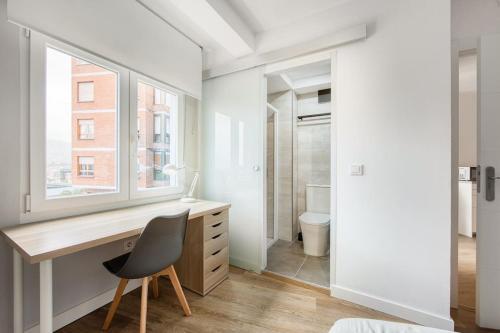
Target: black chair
[156,251]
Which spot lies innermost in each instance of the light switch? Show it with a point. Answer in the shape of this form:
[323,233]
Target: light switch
[356,169]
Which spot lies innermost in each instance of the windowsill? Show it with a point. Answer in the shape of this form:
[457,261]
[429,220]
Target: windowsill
[86,177]
[83,139]
[62,213]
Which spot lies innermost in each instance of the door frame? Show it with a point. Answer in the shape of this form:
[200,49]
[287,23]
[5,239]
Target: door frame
[277,68]
[456,54]
[275,116]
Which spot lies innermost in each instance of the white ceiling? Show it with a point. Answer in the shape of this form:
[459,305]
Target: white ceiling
[265,15]
[256,27]
[310,70]
[303,79]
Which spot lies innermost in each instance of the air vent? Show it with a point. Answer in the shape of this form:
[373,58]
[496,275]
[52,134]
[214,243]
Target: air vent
[324,96]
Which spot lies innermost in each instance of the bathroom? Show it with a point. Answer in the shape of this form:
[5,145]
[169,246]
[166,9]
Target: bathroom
[298,173]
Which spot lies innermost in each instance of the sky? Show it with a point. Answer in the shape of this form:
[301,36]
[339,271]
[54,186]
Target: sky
[58,103]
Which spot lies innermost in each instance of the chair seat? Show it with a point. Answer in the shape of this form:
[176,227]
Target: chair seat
[114,265]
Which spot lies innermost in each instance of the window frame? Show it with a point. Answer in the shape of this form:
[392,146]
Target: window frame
[78,84]
[178,133]
[79,158]
[79,121]
[37,129]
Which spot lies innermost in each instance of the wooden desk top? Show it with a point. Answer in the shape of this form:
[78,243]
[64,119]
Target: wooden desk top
[51,239]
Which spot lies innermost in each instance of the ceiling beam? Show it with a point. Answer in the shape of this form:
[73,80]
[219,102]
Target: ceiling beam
[342,37]
[221,23]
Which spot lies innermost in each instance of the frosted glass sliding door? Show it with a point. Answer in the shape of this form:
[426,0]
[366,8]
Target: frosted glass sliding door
[233,118]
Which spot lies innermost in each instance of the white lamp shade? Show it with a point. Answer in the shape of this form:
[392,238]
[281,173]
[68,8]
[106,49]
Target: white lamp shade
[170,169]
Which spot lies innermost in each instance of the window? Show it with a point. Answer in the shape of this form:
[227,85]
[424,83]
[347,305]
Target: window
[159,96]
[86,166]
[161,105]
[76,158]
[82,116]
[86,129]
[157,129]
[60,148]
[85,92]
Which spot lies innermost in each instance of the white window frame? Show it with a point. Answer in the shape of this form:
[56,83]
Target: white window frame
[89,124]
[176,140]
[37,128]
[80,170]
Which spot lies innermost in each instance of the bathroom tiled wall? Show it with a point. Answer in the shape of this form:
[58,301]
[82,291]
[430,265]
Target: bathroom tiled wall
[283,102]
[270,176]
[313,165]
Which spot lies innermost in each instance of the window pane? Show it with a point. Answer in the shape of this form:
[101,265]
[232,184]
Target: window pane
[86,127]
[85,92]
[81,152]
[156,109]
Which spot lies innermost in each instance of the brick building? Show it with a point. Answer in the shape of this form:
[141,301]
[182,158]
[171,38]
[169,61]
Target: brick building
[94,124]
[153,124]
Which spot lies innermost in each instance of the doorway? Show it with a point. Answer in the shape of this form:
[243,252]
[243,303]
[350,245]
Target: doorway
[299,174]
[272,174]
[467,185]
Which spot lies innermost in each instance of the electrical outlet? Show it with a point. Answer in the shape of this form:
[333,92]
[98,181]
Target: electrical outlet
[129,244]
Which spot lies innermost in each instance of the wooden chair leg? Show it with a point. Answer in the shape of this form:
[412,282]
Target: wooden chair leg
[178,290]
[156,292]
[144,304]
[114,305]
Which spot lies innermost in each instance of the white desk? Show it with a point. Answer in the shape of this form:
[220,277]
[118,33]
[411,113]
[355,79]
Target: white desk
[43,241]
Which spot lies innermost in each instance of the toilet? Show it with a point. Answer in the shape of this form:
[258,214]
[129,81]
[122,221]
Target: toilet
[315,221]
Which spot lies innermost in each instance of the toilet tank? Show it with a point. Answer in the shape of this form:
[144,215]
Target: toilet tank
[318,198]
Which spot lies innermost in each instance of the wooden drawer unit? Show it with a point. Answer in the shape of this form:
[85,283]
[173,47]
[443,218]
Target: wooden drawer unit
[205,258]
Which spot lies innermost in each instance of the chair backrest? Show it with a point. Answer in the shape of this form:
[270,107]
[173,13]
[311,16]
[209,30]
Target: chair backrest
[159,246]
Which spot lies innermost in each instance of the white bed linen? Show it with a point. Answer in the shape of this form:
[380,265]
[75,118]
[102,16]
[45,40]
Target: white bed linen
[361,325]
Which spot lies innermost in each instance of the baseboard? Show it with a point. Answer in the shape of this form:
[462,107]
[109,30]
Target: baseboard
[249,266]
[77,312]
[392,308]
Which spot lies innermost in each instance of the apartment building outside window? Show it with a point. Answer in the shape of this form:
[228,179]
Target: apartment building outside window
[83,156]
[156,107]
[71,127]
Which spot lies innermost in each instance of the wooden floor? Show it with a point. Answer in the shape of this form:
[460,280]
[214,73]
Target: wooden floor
[246,302]
[249,302]
[464,316]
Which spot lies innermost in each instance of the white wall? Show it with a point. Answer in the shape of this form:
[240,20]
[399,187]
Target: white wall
[393,242]
[467,111]
[471,19]
[9,148]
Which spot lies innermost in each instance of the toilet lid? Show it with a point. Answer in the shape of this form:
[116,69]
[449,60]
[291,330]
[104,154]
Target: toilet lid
[314,218]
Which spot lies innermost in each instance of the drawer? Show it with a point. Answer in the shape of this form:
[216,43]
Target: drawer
[213,245]
[214,261]
[215,277]
[214,231]
[216,217]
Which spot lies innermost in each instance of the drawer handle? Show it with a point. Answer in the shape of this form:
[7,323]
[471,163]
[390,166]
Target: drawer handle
[215,214]
[216,268]
[216,225]
[216,252]
[216,236]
